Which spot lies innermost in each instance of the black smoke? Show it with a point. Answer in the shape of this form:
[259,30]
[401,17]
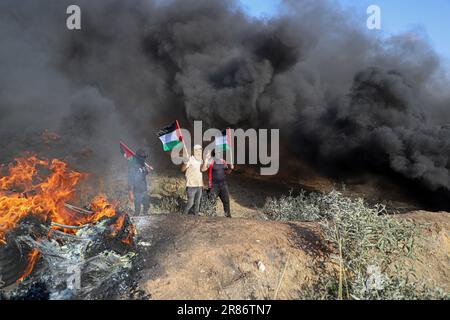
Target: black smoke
[342,96]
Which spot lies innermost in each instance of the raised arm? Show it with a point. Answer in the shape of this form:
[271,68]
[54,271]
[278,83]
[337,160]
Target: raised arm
[206,162]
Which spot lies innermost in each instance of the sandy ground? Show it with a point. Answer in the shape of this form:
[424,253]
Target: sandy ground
[433,247]
[186,257]
[219,258]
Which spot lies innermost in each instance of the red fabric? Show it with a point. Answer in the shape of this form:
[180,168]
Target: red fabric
[127,152]
[210,173]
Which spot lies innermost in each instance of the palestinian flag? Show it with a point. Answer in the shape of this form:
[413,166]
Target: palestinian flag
[224,140]
[170,136]
[127,153]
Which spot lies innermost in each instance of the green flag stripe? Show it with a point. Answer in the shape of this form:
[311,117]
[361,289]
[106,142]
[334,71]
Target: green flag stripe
[171,145]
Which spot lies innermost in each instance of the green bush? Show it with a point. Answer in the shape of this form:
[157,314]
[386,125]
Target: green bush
[171,204]
[303,207]
[365,240]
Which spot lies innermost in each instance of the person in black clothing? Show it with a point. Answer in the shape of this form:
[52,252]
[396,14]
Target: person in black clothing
[137,182]
[217,170]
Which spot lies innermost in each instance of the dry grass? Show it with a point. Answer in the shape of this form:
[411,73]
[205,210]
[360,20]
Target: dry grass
[173,195]
[366,242]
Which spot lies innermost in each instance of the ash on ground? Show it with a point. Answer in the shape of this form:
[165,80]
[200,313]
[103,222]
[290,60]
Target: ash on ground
[89,264]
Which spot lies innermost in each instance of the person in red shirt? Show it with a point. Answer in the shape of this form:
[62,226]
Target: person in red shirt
[217,170]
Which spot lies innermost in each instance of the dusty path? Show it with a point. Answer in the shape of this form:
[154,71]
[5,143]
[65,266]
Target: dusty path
[203,258]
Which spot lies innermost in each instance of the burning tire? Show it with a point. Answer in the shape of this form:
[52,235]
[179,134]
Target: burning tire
[13,262]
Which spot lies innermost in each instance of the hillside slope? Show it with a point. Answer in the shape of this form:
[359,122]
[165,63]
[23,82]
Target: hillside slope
[216,258]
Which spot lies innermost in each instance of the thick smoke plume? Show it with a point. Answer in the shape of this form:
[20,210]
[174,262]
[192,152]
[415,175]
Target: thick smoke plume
[343,97]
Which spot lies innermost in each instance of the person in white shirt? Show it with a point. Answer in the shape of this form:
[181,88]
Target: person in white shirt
[194,180]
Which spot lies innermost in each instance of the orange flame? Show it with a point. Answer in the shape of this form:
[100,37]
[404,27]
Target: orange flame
[119,225]
[32,259]
[26,191]
[32,195]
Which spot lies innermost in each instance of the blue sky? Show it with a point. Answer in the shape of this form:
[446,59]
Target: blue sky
[431,17]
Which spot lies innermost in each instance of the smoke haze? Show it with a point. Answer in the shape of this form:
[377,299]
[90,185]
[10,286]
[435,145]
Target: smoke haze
[341,96]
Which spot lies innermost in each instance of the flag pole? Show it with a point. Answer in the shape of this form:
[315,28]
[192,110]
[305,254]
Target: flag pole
[229,142]
[182,138]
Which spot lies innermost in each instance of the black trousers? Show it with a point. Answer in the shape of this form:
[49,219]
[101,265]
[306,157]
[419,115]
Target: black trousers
[221,191]
[141,199]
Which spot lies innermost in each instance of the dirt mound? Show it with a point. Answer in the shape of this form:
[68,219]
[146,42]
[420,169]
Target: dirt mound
[203,258]
[218,258]
[433,247]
